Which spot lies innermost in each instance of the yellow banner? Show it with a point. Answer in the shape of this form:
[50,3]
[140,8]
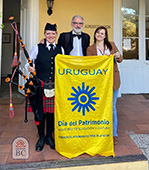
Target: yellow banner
[83,105]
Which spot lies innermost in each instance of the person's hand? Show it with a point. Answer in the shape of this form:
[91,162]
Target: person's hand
[117,55]
[42,41]
[31,69]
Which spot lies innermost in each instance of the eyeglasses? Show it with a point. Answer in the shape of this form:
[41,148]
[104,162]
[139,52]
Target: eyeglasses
[78,23]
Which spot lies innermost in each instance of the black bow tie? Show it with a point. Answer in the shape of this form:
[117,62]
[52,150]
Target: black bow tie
[76,35]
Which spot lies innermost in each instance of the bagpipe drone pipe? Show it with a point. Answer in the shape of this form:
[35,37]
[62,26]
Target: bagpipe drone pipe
[32,87]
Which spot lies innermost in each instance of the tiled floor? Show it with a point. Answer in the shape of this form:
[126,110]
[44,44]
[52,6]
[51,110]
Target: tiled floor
[133,118]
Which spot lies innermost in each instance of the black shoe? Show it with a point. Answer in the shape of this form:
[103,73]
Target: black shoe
[50,141]
[40,144]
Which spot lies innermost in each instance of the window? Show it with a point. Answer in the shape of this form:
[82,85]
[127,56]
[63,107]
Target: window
[130,37]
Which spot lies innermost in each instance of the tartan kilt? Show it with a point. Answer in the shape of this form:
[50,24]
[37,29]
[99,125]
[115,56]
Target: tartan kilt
[48,104]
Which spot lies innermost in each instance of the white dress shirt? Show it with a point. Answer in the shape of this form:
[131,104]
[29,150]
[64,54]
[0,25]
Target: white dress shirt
[77,46]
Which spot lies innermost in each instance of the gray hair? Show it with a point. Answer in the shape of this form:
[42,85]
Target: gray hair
[77,16]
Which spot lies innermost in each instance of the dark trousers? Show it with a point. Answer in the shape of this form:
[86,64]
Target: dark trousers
[48,119]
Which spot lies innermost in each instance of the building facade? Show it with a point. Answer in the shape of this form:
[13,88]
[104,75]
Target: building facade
[126,21]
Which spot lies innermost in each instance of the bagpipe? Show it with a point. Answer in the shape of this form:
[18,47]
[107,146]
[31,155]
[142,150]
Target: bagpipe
[32,87]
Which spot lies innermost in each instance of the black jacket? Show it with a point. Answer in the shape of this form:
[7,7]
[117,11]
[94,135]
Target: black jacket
[66,41]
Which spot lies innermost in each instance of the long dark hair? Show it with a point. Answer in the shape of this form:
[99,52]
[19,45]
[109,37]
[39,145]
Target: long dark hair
[106,40]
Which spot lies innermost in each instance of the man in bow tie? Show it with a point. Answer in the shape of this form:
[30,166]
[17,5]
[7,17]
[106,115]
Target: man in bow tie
[75,42]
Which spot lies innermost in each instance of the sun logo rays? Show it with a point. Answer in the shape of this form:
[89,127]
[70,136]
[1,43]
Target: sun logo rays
[83,99]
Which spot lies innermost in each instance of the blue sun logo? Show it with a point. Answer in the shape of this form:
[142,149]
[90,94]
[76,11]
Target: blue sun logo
[83,99]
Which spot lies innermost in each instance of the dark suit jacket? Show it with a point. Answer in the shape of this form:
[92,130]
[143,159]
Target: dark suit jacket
[91,51]
[66,41]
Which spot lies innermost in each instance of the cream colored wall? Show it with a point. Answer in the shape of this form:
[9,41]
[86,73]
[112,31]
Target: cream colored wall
[96,12]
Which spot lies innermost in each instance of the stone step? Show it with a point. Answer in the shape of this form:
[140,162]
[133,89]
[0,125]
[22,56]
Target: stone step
[127,162]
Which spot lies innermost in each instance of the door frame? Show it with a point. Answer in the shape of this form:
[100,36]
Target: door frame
[1,21]
[141,62]
[33,20]
[117,28]
[30,33]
